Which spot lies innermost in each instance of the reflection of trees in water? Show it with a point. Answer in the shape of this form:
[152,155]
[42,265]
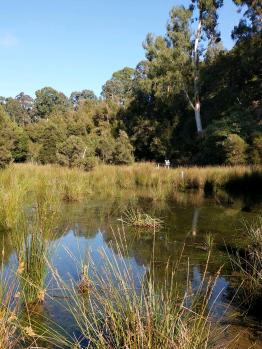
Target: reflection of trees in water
[195,221]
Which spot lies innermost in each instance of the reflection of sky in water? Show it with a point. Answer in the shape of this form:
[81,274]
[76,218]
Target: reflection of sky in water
[71,251]
[68,254]
[216,302]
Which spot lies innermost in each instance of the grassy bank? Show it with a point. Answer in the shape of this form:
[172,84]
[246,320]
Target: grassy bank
[74,184]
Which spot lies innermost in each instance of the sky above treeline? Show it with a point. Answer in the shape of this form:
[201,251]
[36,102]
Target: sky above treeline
[77,44]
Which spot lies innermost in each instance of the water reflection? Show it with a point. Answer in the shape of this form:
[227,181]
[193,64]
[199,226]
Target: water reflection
[195,221]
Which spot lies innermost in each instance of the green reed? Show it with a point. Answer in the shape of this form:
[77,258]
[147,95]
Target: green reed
[248,262]
[118,311]
[31,239]
[161,183]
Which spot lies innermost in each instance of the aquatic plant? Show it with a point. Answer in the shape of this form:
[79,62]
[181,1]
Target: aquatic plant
[209,242]
[123,310]
[9,324]
[248,263]
[139,219]
[31,240]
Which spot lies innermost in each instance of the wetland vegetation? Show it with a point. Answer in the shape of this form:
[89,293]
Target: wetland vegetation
[135,282]
[133,220]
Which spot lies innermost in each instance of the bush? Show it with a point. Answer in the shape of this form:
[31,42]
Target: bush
[235,150]
[52,135]
[5,156]
[256,150]
[89,163]
[123,150]
[75,153]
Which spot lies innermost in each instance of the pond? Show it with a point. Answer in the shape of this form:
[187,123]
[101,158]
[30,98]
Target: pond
[91,226]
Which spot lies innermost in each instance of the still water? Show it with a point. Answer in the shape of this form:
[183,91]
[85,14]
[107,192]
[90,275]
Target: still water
[90,226]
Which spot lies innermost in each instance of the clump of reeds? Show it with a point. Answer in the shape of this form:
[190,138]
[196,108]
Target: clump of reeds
[9,324]
[31,240]
[139,219]
[209,242]
[124,310]
[248,263]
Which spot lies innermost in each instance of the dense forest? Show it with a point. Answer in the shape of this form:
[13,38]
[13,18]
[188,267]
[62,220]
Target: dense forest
[190,100]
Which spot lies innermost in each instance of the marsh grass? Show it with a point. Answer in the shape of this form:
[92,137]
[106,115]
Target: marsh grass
[209,242]
[123,310]
[117,309]
[161,183]
[248,263]
[12,200]
[31,240]
[139,219]
[9,324]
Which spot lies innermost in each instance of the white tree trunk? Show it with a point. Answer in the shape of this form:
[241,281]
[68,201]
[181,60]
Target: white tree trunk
[198,118]
[196,79]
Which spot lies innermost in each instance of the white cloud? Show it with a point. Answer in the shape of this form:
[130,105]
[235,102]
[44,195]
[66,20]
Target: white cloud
[8,40]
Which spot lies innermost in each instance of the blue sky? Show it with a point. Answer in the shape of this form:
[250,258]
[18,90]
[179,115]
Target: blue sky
[77,44]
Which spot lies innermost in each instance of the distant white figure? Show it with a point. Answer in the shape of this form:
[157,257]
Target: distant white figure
[157,166]
[167,163]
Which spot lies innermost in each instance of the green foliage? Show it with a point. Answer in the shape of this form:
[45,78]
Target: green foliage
[13,141]
[250,24]
[119,87]
[20,149]
[235,150]
[5,139]
[256,150]
[146,113]
[5,156]
[48,100]
[123,153]
[77,97]
[16,111]
[51,136]
[73,152]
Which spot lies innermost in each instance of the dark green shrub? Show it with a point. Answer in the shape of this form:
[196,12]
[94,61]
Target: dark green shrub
[255,150]
[235,150]
[123,149]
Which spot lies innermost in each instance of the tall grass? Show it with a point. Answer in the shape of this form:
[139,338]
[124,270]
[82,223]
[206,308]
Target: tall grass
[160,183]
[31,240]
[248,263]
[121,310]
[13,191]
[9,325]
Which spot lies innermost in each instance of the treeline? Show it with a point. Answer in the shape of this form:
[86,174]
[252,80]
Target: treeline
[189,100]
